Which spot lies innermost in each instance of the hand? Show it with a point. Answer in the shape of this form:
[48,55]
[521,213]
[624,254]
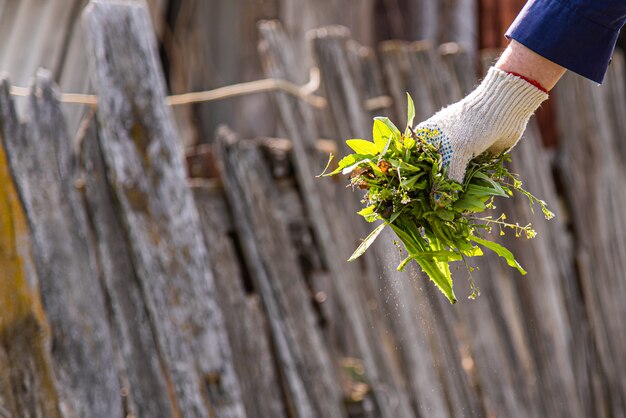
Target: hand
[491,119]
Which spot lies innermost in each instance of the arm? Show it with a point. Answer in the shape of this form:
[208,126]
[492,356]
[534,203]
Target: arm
[579,35]
[493,117]
[548,37]
[520,60]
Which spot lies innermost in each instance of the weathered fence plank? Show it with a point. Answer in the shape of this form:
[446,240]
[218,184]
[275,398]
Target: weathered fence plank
[590,164]
[428,69]
[460,65]
[144,380]
[401,80]
[26,382]
[43,164]
[265,241]
[614,89]
[54,21]
[367,74]
[144,165]
[334,238]
[394,292]
[329,47]
[516,303]
[418,365]
[244,316]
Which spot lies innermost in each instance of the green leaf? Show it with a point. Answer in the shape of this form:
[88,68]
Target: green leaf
[482,176]
[409,182]
[500,250]
[394,130]
[442,279]
[368,213]
[375,168]
[469,203]
[381,134]
[440,255]
[349,163]
[394,216]
[363,147]
[446,215]
[349,169]
[477,190]
[409,142]
[410,111]
[475,251]
[367,242]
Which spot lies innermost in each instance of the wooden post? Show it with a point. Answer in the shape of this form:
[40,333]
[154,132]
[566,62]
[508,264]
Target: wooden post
[411,338]
[329,47]
[144,162]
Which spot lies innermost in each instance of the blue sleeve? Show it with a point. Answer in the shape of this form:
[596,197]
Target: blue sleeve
[579,35]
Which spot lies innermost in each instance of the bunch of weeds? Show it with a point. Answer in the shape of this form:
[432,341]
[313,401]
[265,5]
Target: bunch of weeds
[437,220]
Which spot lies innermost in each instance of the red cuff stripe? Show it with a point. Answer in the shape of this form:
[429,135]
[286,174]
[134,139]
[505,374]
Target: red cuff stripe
[533,82]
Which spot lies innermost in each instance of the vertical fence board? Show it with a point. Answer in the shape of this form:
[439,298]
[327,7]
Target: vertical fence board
[43,167]
[368,76]
[331,233]
[144,380]
[344,99]
[26,381]
[394,291]
[402,79]
[144,162]
[523,340]
[592,171]
[244,316]
[458,393]
[273,264]
[433,75]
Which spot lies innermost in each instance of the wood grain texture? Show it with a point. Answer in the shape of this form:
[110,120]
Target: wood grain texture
[145,168]
[43,166]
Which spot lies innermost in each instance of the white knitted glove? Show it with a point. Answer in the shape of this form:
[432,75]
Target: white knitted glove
[491,118]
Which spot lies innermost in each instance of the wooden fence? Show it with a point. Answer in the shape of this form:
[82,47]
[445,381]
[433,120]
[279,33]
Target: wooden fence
[128,289]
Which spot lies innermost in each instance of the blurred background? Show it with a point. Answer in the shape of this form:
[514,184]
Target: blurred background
[132,285]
